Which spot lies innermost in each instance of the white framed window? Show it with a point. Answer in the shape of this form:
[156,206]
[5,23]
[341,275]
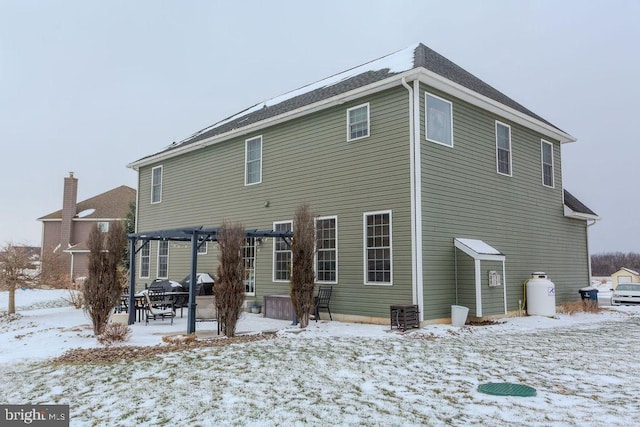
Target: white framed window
[145,260]
[503,148]
[281,253]
[438,120]
[253,161]
[249,258]
[327,249]
[546,158]
[358,122]
[203,248]
[163,259]
[378,251]
[156,184]
[103,226]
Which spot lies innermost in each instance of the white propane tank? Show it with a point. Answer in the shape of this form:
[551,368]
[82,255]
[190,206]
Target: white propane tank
[541,295]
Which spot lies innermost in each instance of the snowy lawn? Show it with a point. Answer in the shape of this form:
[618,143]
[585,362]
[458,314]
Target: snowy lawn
[584,368]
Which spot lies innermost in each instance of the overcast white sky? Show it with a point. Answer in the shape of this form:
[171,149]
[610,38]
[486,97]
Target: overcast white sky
[91,86]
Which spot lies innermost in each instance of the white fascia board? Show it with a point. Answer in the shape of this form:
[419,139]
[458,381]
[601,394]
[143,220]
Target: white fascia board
[438,82]
[570,213]
[387,83]
[50,220]
[97,219]
[425,76]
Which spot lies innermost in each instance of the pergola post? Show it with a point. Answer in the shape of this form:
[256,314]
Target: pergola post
[132,280]
[191,318]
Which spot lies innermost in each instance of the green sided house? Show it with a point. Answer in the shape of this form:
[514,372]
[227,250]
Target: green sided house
[430,187]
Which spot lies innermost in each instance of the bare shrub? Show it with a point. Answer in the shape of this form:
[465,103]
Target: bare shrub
[102,290]
[302,260]
[54,272]
[229,287]
[114,333]
[76,293]
[573,307]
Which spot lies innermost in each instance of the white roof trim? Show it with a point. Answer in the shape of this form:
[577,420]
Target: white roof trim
[425,76]
[478,249]
[570,213]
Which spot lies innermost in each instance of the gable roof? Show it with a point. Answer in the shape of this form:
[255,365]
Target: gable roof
[577,206]
[429,65]
[111,204]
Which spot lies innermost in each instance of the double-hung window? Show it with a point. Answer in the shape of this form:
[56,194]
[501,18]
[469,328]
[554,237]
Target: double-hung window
[253,161]
[281,253]
[438,120]
[145,258]
[327,249]
[378,261]
[249,258]
[156,184]
[163,259]
[203,247]
[503,148]
[358,122]
[547,163]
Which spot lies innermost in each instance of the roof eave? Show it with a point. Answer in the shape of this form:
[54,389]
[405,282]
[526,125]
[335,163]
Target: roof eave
[438,82]
[570,213]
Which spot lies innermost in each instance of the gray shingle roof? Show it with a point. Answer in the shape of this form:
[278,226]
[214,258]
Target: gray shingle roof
[576,205]
[420,56]
[110,204]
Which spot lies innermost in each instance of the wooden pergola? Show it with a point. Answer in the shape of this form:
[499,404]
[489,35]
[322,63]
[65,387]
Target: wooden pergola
[197,236]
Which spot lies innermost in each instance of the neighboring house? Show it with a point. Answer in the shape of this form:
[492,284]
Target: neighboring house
[624,275]
[430,188]
[68,229]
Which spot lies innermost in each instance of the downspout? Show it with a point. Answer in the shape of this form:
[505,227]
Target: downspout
[588,250]
[416,192]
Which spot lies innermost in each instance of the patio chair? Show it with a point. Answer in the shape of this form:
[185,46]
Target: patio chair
[156,312]
[322,301]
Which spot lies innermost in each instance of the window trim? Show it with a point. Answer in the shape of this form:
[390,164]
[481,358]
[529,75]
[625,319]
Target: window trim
[426,119]
[158,260]
[103,226]
[366,104]
[246,162]
[499,123]
[317,251]
[273,259]
[255,253]
[206,248]
[153,202]
[553,167]
[364,254]
[146,245]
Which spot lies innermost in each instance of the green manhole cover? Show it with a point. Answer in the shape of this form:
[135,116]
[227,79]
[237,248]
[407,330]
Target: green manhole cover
[507,389]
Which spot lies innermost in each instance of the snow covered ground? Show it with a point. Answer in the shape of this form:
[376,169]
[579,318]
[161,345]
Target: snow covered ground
[584,368]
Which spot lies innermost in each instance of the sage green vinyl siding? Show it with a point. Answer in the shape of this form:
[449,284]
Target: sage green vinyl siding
[304,160]
[464,196]
[492,296]
[466,282]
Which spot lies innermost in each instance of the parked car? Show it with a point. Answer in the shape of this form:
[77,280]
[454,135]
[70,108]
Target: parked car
[626,293]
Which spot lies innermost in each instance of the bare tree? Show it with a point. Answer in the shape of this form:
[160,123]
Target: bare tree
[102,288]
[53,271]
[15,267]
[229,287]
[302,260]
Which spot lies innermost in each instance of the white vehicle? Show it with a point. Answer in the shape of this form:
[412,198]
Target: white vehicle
[626,293]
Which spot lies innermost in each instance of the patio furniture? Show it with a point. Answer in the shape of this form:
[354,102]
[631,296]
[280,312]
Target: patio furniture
[322,301]
[156,312]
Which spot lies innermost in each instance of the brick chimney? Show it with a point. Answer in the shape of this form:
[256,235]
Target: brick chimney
[69,199]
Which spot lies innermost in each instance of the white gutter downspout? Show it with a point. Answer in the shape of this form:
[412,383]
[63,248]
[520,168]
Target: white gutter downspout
[588,250]
[416,200]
